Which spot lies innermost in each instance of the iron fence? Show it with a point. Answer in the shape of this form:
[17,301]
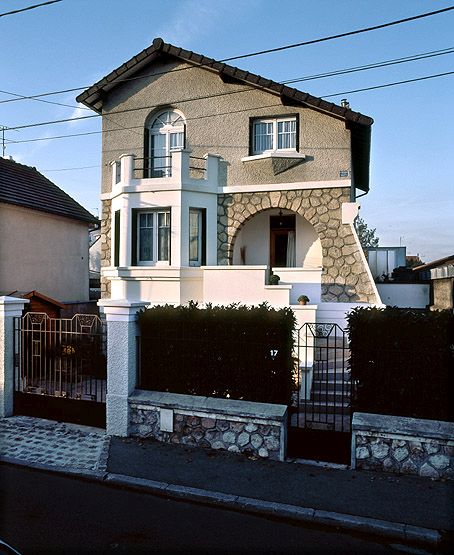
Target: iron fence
[60,357]
[323,390]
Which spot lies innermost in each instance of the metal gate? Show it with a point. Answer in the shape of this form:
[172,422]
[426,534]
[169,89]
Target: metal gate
[320,419]
[60,368]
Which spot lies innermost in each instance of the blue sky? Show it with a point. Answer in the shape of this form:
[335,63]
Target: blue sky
[75,42]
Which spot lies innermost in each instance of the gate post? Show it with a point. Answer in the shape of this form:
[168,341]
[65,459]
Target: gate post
[122,333]
[10,308]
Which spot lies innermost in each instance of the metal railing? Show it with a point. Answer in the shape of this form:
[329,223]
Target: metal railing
[60,357]
[322,398]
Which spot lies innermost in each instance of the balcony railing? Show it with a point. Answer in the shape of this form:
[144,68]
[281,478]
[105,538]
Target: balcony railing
[177,167]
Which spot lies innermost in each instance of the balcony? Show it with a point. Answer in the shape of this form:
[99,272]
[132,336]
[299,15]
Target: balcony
[179,171]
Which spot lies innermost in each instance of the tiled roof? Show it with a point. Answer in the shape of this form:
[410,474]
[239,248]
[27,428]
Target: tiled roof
[25,186]
[93,96]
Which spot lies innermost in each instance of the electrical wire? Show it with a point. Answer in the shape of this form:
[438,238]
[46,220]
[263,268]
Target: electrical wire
[128,110]
[295,45]
[22,97]
[30,7]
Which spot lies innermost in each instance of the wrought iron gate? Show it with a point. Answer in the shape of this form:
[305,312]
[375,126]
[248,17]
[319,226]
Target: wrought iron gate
[60,368]
[320,420]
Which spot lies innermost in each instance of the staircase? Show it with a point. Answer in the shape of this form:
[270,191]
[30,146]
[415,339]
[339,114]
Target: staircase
[329,404]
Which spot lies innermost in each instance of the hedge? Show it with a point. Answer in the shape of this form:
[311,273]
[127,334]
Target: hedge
[402,362]
[234,351]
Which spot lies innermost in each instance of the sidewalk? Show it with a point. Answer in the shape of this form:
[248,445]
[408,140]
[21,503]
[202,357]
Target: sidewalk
[404,508]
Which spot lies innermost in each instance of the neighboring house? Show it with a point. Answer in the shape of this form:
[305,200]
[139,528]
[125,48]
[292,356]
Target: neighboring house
[37,302]
[441,275]
[44,236]
[398,285]
[213,175]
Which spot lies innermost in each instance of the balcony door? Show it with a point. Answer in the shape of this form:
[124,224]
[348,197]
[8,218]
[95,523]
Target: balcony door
[166,133]
[282,241]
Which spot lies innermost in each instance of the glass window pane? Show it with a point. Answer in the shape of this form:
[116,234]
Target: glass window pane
[163,235]
[263,136]
[194,236]
[159,160]
[286,134]
[176,140]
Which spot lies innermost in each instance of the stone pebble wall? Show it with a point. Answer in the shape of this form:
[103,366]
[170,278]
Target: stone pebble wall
[261,440]
[106,226]
[344,278]
[429,458]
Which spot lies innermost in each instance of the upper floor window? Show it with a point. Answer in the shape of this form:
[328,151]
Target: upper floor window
[271,134]
[166,133]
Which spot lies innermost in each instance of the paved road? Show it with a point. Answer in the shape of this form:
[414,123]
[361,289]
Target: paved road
[47,513]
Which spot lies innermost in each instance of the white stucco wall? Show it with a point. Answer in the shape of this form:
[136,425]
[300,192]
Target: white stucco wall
[255,236]
[404,295]
[43,252]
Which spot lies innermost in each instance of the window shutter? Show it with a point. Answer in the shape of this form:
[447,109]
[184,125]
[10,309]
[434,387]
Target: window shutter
[117,238]
[134,237]
[251,136]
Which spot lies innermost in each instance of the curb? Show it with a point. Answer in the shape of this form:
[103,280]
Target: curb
[308,515]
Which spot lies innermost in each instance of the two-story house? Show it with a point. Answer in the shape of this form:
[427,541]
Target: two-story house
[213,177]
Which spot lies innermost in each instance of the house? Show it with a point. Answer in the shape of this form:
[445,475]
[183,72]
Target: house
[44,236]
[213,177]
[37,302]
[441,275]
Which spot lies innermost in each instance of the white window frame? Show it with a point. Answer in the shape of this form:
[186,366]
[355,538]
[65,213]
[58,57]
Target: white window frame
[165,130]
[155,237]
[274,122]
[198,261]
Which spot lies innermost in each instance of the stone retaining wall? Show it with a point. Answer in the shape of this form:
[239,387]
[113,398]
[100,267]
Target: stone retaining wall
[403,445]
[258,429]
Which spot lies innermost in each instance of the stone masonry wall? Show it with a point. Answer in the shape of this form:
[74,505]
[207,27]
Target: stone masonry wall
[344,277]
[106,226]
[427,452]
[262,438]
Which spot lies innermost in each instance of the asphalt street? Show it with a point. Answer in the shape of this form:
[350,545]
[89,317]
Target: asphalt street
[46,513]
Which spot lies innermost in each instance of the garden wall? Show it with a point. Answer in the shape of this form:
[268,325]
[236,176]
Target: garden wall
[258,429]
[403,445]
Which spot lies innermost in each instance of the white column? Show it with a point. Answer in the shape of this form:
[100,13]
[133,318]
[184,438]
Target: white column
[212,168]
[180,165]
[125,233]
[127,169]
[10,307]
[122,334]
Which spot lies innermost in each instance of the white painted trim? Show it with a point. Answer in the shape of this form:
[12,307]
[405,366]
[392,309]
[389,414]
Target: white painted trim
[365,264]
[275,154]
[299,185]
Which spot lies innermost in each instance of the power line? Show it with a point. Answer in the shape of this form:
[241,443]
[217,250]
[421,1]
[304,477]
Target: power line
[386,63]
[22,97]
[340,35]
[390,84]
[30,7]
[314,41]
[128,110]
[71,169]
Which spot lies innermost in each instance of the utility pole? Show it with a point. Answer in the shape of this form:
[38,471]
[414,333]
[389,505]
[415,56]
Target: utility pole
[3,141]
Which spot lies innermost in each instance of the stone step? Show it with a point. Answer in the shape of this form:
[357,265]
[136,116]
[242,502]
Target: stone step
[317,407]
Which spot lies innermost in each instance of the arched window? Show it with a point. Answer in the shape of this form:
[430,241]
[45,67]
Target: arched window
[166,133]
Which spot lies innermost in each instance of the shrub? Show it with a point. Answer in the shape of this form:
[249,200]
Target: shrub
[232,351]
[402,362]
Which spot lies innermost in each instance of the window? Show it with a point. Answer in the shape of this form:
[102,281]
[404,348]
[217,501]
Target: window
[166,133]
[196,236]
[273,134]
[153,236]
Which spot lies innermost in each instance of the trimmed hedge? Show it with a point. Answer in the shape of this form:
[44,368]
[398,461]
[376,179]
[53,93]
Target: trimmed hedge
[235,351]
[402,362]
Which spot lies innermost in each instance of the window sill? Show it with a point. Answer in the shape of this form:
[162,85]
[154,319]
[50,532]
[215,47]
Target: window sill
[274,154]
